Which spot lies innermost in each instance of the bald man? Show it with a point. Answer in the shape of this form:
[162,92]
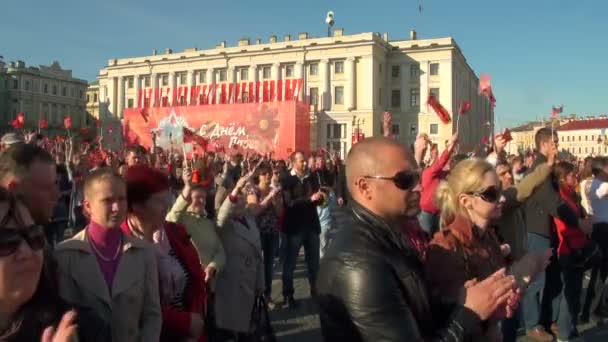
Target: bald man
[371,286]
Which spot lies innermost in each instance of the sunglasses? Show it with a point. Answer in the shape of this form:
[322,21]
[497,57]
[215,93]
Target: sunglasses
[404,180]
[490,194]
[11,238]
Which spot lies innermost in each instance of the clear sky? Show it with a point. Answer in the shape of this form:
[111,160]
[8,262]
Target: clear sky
[539,52]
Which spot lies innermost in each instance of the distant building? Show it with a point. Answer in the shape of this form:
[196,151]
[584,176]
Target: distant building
[92,103]
[523,137]
[349,81]
[584,137]
[42,93]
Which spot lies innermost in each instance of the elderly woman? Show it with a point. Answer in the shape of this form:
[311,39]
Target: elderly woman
[30,306]
[468,247]
[181,275]
[242,278]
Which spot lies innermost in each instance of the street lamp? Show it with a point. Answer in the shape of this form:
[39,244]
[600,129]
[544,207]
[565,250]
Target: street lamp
[330,22]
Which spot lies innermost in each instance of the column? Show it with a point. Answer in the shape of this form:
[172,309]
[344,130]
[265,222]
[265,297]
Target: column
[210,82]
[154,86]
[172,85]
[405,80]
[253,77]
[231,77]
[110,99]
[424,84]
[350,90]
[120,103]
[299,73]
[275,74]
[137,85]
[190,82]
[325,90]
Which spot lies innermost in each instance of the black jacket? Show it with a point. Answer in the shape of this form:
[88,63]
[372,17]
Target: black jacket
[544,204]
[371,288]
[301,214]
[341,188]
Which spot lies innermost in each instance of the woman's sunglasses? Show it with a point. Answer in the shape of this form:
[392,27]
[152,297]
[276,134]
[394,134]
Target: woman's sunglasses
[404,180]
[490,194]
[11,238]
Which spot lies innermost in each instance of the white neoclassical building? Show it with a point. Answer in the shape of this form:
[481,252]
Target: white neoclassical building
[349,80]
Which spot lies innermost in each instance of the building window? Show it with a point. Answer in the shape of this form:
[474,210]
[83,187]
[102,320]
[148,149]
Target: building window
[222,75]
[15,84]
[434,69]
[579,150]
[396,98]
[579,138]
[289,71]
[72,92]
[202,76]
[314,96]
[46,88]
[414,97]
[568,138]
[339,67]
[413,130]
[585,138]
[54,90]
[95,97]
[146,81]
[314,69]
[562,138]
[130,83]
[592,137]
[88,98]
[339,95]
[266,72]
[183,78]
[414,71]
[434,129]
[434,92]
[395,71]
[380,68]
[336,131]
[130,103]
[395,129]
[27,85]
[80,94]
[244,74]
[586,150]
[165,80]
[64,91]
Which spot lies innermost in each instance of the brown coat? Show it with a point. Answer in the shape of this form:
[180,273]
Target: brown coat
[459,253]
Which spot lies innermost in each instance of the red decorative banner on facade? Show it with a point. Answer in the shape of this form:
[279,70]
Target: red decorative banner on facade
[268,127]
[207,94]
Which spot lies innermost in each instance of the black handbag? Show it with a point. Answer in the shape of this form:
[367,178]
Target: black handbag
[260,321]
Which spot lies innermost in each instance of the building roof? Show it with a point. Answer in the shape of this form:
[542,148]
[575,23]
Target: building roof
[527,127]
[578,125]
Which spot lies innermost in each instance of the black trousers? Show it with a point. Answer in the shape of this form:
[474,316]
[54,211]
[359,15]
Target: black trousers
[596,299]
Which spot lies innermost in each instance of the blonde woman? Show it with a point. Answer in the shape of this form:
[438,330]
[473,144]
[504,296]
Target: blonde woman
[468,248]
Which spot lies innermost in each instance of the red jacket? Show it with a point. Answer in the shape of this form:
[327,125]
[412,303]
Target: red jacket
[430,179]
[176,323]
[569,237]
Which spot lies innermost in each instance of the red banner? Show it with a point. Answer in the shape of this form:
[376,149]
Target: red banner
[276,127]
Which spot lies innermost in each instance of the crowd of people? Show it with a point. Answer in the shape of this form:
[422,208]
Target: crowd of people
[148,245]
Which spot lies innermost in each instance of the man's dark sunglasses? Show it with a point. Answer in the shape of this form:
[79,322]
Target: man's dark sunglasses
[404,180]
[490,194]
[11,238]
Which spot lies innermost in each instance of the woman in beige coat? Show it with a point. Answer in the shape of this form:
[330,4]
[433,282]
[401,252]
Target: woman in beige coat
[242,278]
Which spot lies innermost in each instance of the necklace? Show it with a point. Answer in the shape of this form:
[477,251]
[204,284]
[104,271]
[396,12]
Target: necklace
[106,259]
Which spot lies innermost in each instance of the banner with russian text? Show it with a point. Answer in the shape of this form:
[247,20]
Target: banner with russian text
[278,127]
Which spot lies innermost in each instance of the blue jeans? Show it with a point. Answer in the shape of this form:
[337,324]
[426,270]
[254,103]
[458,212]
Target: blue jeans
[270,244]
[293,243]
[540,305]
[509,326]
[429,222]
[571,303]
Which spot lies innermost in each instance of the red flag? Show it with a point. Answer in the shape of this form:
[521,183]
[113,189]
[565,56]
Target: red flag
[507,135]
[67,122]
[144,114]
[485,83]
[21,118]
[271,92]
[556,111]
[464,107]
[43,124]
[190,136]
[223,96]
[443,113]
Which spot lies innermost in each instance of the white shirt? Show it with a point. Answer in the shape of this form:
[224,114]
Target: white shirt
[599,201]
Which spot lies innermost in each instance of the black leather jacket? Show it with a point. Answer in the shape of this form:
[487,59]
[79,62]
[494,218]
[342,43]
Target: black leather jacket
[371,288]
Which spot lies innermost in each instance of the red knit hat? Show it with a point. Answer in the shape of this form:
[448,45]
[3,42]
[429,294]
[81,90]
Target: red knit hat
[143,182]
